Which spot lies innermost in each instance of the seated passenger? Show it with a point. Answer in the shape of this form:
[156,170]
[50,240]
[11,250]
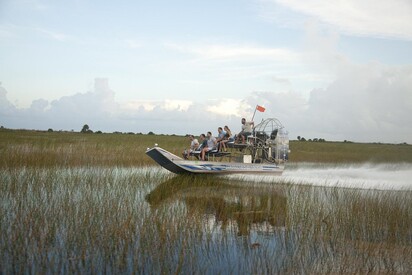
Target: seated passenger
[221,136]
[194,144]
[247,128]
[203,142]
[211,144]
[228,138]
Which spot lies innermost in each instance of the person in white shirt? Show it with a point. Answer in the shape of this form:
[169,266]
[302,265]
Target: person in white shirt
[194,144]
[247,128]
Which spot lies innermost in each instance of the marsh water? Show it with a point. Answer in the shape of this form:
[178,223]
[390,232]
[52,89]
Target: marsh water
[314,218]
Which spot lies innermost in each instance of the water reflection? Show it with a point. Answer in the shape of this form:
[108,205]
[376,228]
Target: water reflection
[231,205]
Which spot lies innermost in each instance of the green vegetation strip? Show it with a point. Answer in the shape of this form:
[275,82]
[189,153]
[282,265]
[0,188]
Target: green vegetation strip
[68,149]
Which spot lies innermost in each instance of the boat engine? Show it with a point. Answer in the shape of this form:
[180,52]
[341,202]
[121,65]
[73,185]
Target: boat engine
[271,142]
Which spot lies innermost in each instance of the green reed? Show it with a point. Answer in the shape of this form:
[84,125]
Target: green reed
[347,152]
[128,220]
[63,149]
[352,231]
[62,220]
[72,202]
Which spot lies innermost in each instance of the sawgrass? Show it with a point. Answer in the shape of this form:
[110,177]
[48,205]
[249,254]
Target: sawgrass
[90,203]
[351,230]
[348,152]
[117,220]
[66,149]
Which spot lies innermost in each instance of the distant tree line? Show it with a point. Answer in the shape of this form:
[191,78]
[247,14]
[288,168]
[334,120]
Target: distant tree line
[86,130]
[311,140]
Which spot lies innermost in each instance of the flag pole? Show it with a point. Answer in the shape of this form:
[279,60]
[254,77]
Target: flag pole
[254,113]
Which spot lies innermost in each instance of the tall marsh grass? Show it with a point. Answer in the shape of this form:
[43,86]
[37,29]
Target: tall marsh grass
[80,203]
[44,149]
[347,152]
[122,220]
[55,149]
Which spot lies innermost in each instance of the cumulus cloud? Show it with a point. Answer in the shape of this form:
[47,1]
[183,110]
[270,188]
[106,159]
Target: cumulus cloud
[92,104]
[6,107]
[65,113]
[369,102]
[39,105]
[226,107]
[362,102]
[99,109]
[150,105]
[363,18]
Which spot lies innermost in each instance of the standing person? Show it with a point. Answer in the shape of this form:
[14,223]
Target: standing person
[247,128]
[211,144]
[228,137]
[193,145]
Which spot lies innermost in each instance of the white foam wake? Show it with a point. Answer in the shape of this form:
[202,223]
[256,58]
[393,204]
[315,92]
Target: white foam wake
[365,176]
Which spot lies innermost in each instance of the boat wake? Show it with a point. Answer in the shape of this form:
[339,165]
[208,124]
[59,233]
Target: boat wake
[363,176]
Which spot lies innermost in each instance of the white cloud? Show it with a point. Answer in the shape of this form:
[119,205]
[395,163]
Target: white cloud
[39,105]
[150,105]
[179,105]
[225,107]
[99,109]
[369,102]
[6,107]
[224,52]
[133,105]
[362,18]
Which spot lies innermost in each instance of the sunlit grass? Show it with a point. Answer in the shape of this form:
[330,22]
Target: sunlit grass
[55,149]
[44,149]
[341,152]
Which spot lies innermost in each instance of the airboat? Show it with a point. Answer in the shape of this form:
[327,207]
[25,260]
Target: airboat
[265,152]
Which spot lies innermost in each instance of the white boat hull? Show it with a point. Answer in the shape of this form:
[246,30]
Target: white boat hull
[179,165]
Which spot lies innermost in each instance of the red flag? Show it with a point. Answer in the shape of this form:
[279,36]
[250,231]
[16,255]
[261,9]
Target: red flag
[260,108]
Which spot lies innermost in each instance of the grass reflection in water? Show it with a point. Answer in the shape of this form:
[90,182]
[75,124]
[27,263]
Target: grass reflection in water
[231,206]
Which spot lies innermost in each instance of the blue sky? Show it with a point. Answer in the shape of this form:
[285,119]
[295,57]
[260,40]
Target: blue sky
[331,69]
